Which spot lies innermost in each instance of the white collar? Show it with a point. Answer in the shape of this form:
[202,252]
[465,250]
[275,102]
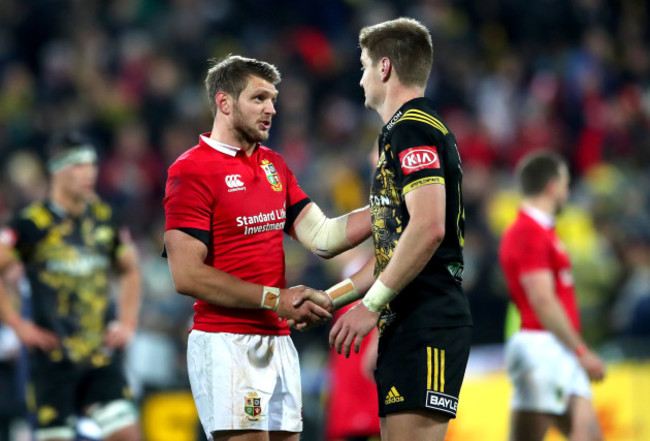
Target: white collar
[539,216]
[220,146]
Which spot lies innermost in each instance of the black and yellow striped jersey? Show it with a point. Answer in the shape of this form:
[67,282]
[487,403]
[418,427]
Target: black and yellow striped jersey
[67,262]
[416,148]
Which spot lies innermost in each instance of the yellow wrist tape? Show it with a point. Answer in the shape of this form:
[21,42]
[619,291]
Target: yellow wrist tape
[378,296]
[343,293]
[270,298]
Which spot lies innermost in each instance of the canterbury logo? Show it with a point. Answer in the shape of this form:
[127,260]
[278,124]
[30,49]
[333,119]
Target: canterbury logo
[234,181]
[393,396]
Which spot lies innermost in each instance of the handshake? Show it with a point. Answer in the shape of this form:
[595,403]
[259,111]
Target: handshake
[304,307]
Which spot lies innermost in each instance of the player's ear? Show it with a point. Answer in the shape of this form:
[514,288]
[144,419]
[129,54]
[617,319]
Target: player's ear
[386,67]
[224,102]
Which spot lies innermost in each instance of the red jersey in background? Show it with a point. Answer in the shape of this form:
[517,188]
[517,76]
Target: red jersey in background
[531,244]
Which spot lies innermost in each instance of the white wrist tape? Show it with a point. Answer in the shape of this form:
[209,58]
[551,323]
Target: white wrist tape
[378,296]
[343,293]
[324,237]
[270,298]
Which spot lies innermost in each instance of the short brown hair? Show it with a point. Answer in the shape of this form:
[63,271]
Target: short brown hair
[231,73]
[537,169]
[406,42]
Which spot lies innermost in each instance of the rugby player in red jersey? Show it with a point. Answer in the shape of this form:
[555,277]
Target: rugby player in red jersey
[228,201]
[548,362]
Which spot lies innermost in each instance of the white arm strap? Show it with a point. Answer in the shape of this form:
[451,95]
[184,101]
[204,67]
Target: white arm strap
[378,296]
[324,237]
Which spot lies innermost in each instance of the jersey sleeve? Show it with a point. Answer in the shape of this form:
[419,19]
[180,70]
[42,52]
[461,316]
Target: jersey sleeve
[531,252]
[21,234]
[417,155]
[189,200]
[297,199]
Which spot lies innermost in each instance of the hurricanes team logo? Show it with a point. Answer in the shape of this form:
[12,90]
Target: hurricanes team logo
[271,175]
[253,407]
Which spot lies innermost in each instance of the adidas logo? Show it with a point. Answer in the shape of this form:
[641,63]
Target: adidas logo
[393,396]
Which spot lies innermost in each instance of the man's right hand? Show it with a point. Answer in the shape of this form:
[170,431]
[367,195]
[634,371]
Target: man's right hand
[300,304]
[33,336]
[592,364]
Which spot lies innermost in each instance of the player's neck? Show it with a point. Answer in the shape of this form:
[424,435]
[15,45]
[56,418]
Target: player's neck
[396,96]
[228,135]
[541,203]
[73,206]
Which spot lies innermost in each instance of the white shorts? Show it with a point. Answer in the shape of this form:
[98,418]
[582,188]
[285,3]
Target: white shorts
[544,373]
[245,381]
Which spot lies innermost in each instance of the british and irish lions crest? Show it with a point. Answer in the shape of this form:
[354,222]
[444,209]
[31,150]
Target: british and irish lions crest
[253,407]
[271,174]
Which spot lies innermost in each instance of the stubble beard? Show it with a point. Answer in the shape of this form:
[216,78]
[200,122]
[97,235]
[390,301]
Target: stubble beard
[247,132]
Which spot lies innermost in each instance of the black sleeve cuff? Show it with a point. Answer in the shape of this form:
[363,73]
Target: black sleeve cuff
[202,235]
[293,212]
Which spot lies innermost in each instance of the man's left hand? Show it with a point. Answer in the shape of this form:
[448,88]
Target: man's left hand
[118,335]
[352,327]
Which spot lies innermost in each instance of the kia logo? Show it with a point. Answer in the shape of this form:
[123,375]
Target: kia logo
[233,181]
[417,158]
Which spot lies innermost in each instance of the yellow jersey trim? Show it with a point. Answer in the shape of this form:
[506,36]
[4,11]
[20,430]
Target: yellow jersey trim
[424,181]
[418,115]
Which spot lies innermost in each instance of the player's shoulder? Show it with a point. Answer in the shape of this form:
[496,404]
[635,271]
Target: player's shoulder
[271,155]
[192,161]
[101,210]
[418,114]
[523,229]
[36,213]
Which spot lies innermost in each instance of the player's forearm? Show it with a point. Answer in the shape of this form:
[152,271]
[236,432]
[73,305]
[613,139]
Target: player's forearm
[211,285]
[352,288]
[359,227]
[415,248]
[129,300]
[555,320]
[8,313]
[364,278]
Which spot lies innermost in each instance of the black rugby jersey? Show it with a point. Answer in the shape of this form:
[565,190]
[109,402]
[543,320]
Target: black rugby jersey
[416,148]
[67,262]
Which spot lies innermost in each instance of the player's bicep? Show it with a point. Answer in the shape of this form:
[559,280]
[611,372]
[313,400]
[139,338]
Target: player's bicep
[126,257]
[426,204]
[295,215]
[538,285]
[183,247]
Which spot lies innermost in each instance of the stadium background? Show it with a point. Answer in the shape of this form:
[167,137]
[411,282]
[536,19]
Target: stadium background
[509,77]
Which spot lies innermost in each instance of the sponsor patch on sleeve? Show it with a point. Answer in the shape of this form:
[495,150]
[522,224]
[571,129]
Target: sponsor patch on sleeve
[419,158]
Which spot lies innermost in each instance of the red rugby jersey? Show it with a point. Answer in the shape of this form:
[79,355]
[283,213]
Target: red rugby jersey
[529,245]
[241,204]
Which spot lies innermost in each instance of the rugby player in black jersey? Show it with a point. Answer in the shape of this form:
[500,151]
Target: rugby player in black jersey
[413,285]
[68,246]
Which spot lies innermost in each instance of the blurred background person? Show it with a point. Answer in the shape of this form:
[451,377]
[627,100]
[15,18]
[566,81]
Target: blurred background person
[548,361]
[68,244]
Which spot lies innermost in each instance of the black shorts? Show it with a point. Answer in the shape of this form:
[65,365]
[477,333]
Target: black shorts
[422,369]
[65,389]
